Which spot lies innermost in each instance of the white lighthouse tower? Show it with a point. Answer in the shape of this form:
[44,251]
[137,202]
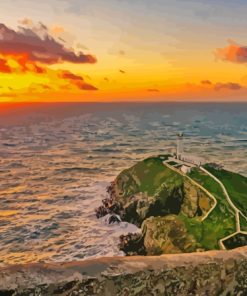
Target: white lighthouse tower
[179,145]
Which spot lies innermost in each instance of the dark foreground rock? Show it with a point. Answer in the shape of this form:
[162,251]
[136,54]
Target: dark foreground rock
[208,273]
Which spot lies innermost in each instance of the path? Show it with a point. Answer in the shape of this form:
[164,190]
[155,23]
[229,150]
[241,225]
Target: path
[236,210]
[198,185]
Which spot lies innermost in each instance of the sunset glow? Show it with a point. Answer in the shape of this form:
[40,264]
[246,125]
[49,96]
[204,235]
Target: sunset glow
[123,51]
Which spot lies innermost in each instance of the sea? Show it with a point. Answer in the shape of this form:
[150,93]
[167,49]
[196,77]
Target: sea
[56,160]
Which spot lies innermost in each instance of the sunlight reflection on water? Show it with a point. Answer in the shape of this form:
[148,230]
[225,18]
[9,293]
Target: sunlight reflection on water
[54,173]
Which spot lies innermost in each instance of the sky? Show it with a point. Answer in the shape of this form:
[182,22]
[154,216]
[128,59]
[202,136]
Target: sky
[123,50]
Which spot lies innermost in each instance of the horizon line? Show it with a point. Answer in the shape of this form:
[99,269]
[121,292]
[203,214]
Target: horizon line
[119,102]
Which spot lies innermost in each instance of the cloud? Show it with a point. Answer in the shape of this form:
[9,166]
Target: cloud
[233,53]
[76,80]
[4,67]
[228,85]
[153,90]
[32,50]
[19,64]
[122,71]
[38,46]
[206,82]
[221,86]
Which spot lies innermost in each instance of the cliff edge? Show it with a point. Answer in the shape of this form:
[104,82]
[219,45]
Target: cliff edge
[206,273]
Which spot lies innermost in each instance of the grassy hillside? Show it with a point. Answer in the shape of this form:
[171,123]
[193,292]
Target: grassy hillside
[146,176]
[221,221]
[151,188]
[236,186]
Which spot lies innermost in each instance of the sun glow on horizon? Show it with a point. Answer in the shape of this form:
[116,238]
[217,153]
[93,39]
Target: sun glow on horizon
[122,51]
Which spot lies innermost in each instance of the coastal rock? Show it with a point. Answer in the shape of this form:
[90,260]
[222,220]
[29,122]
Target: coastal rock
[163,235]
[208,273]
[160,235]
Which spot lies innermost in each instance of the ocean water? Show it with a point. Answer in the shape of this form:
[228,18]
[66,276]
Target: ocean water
[57,159]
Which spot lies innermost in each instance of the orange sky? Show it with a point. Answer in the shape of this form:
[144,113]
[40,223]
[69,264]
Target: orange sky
[123,51]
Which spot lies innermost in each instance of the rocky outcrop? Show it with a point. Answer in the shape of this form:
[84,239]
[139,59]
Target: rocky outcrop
[130,195]
[167,235]
[208,273]
[160,235]
[152,189]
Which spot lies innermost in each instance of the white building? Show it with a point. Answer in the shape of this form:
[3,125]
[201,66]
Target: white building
[185,169]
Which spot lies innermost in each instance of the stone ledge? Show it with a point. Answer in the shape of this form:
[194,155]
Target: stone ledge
[207,273]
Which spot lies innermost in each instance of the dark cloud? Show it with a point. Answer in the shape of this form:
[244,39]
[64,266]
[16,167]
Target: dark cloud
[153,90]
[122,71]
[221,85]
[233,53]
[228,85]
[76,80]
[38,48]
[206,82]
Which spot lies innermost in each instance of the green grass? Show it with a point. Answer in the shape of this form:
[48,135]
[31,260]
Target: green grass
[194,227]
[236,186]
[221,221]
[243,223]
[147,176]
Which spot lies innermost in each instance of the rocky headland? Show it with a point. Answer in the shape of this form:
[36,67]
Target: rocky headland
[177,212]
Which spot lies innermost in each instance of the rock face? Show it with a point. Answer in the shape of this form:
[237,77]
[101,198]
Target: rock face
[208,273]
[167,235]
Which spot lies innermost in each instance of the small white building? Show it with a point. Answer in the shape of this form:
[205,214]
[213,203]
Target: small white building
[185,169]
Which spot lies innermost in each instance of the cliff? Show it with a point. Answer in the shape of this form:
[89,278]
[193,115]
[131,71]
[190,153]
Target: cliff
[203,209]
[208,273]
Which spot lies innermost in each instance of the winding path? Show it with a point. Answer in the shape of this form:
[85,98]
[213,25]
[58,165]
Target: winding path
[235,209]
[198,185]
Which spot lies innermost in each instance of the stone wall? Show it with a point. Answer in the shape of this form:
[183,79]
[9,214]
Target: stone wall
[209,273]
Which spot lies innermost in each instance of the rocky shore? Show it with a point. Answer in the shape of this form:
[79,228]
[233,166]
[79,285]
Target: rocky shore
[207,273]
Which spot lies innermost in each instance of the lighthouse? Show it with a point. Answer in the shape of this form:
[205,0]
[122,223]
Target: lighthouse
[179,145]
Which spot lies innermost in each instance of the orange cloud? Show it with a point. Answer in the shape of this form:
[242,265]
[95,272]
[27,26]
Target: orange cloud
[32,50]
[4,67]
[233,53]
[21,64]
[44,49]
